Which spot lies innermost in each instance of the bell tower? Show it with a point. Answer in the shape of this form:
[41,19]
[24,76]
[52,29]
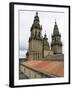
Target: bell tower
[35,40]
[56,44]
[36,28]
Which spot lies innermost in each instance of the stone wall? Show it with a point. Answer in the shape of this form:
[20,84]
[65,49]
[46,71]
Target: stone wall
[54,57]
[35,49]
[48,52]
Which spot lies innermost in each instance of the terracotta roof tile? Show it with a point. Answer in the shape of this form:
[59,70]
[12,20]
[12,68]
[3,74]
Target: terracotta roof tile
[54,67]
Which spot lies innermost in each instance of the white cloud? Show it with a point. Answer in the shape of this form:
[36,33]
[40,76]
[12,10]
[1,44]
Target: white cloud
[22,53]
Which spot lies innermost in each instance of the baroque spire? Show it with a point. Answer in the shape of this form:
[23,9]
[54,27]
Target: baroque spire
[36,18]
[36,28]
[56,30]
[36,24]
[56,44]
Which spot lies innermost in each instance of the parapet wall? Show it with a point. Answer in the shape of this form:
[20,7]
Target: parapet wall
[54,57]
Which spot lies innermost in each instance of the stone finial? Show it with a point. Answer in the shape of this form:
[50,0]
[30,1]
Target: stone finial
[36,13]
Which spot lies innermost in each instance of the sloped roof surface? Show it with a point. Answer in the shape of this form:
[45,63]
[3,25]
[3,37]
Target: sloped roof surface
[53,67]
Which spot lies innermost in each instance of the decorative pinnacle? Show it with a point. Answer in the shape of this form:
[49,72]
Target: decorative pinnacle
[36,13]
[55,21]
[45,34]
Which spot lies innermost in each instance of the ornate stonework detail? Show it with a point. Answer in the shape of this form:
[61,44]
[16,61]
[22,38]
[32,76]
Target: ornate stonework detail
[35,40]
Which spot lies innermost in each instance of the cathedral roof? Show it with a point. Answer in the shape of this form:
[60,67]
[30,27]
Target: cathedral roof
[52,67]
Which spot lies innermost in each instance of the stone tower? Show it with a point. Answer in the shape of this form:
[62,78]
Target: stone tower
[56,44]
[35,40]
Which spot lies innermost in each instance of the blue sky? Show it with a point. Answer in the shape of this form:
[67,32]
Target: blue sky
[47,20]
